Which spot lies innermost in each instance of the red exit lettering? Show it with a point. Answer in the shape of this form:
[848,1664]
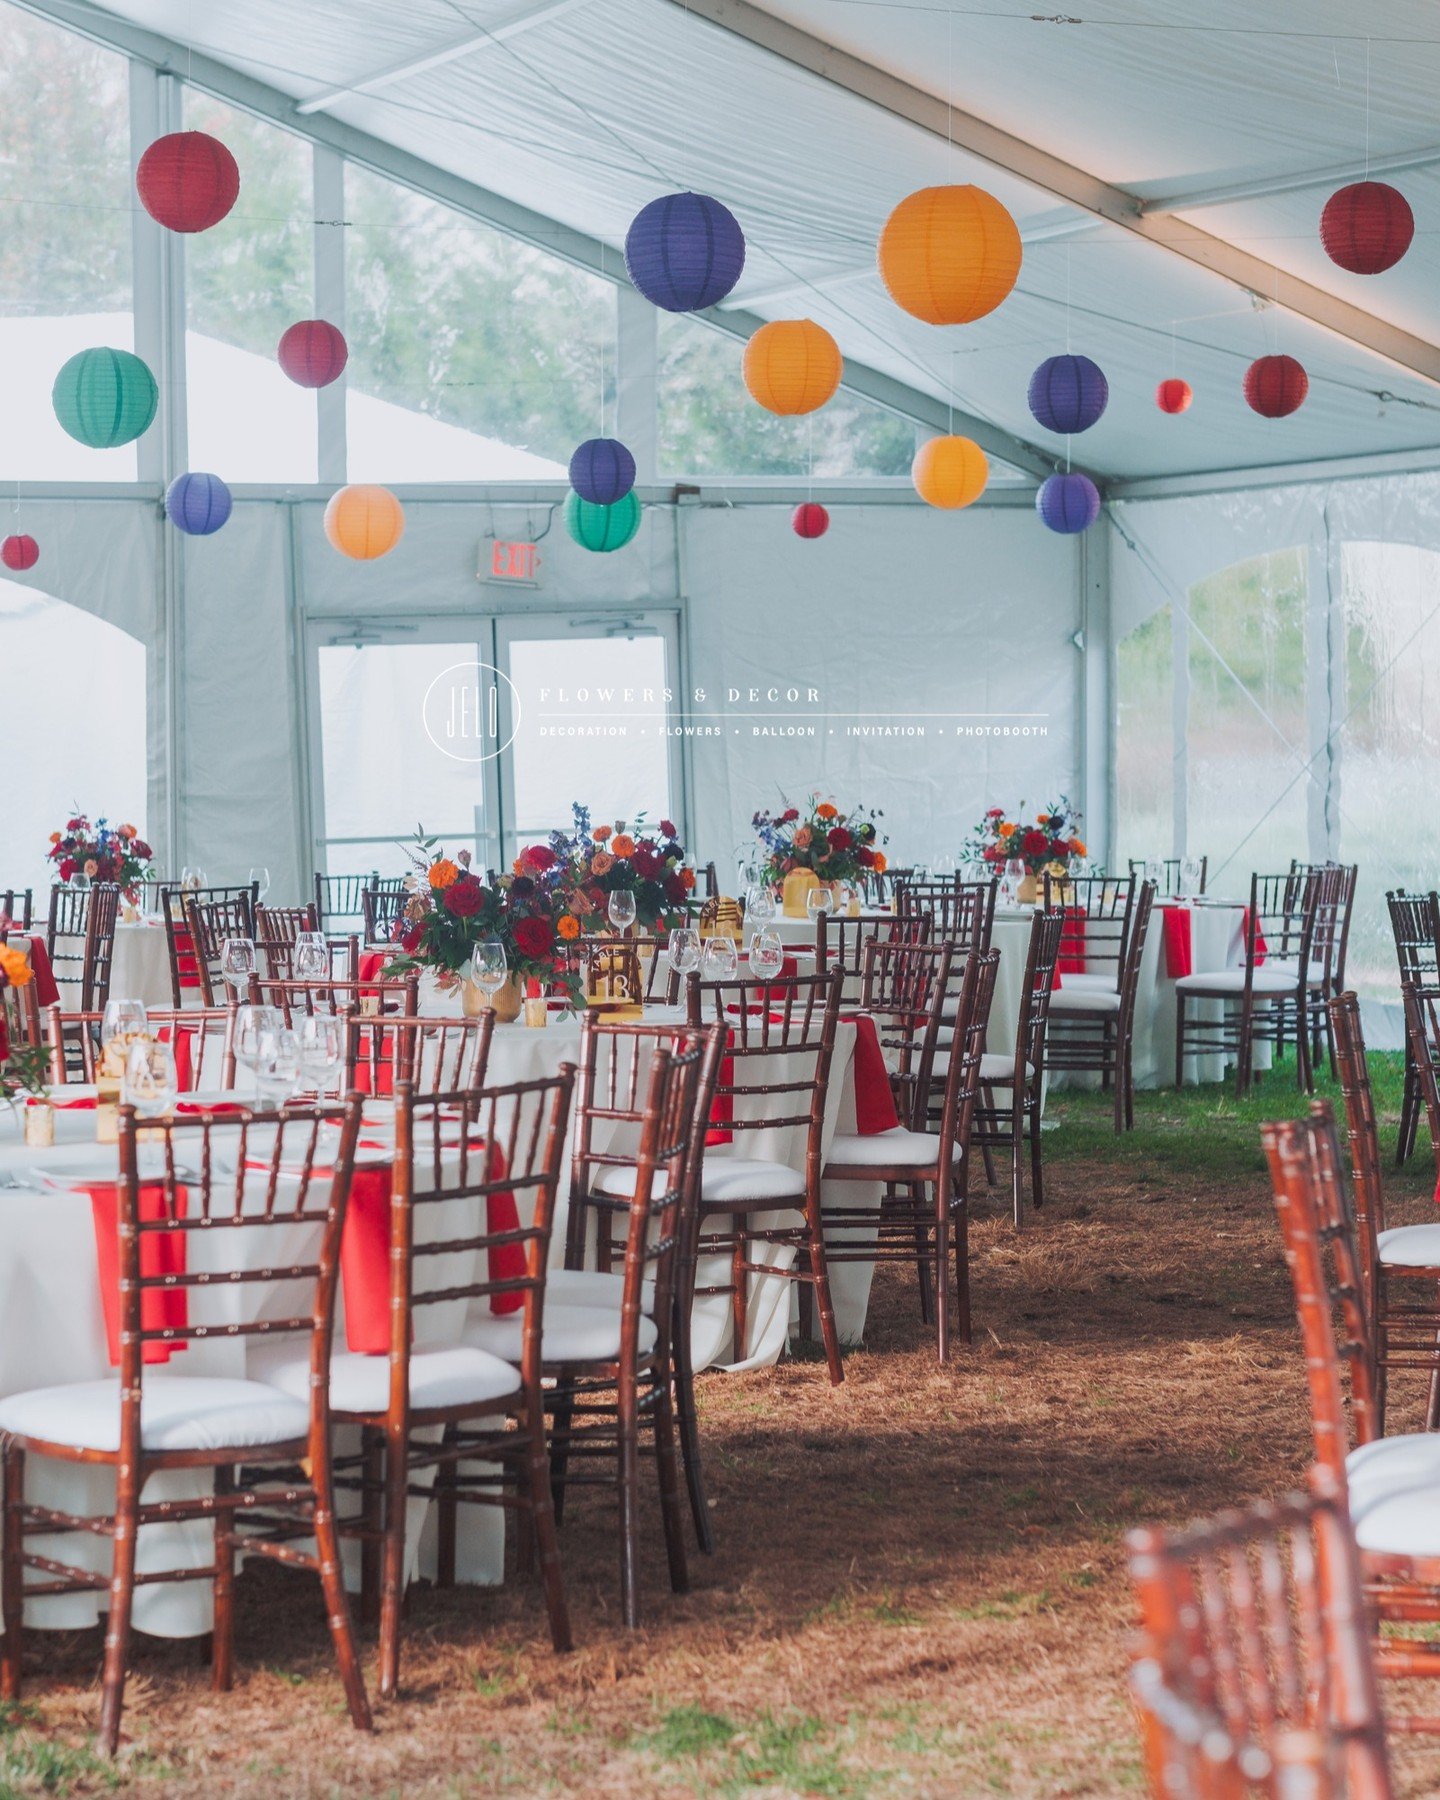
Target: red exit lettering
[513,561]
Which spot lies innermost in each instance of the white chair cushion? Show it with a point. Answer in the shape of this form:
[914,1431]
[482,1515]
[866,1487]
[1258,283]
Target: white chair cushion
[591,1287]
[1232,981]
[361,1384]
[1103,984]
[725,1177]
[177,1412]
[1410,1246]
[620,1179]
[571,1334]
[1395,1494]
[995,1069]
[1290,965]
[910,1149]
[1068,999]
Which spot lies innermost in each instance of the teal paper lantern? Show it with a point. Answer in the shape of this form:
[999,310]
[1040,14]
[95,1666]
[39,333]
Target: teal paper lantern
[105,398]
[602,528]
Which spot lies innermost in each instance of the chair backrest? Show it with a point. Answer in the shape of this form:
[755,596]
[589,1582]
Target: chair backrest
[337,899]
[432,1055]
[951,1106]
[1364,1135]
[1041,957]
[1281,923]
[962,912]
[203,1039]
[1422,1038]
[1253,1671]
[211,922]
[840,942]
[382,905]
[80,938]
[186,974]
[1415,922]
[711,880]
[1135,939]
[903,987]
[1168,886]
[1317,1223]
[1099,913]
[304,999]
[276,931]
[17,908]
[1331,911]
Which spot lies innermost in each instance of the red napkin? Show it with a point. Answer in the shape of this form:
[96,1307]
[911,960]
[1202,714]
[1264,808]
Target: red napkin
[161,1253]
[185,962]
[1179,956]
[1260,946]
[874,1097]
[385,1066]
[85,1103]
[218,1109]
[1072,943]
[180,1040]
[46,992]
[365,1255]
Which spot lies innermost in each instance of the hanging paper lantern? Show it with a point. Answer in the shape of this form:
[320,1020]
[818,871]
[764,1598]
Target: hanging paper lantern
[792,366]
[810,520]
[949,255]
[602,528]
[1275,386]
[313,352]
[19,552]
[1068,393]
[188,181]
[1174,395]
[602,471]
[364,522]
[950,471]
[1367,227]
[197,504]
[1068,503]
[105,397]
[684,251]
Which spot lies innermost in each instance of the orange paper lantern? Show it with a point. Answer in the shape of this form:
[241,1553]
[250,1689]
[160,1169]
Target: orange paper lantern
[792,366]
[950,472]
[949,255]
[364,522]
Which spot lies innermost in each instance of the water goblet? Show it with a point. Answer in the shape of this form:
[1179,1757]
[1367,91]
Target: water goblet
[311,959]
[684,949]
[767,954]
[150,1083]
[719,961]
[489,966]
[277,1068]
[260,881]
[621,910]
[237,963]
[320,1050]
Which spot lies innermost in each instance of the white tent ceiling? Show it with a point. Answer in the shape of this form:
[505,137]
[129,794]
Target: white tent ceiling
[584,109]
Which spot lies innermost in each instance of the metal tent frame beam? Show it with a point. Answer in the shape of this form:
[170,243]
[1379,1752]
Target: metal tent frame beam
[1052,174]
[488,208]
[1337,175]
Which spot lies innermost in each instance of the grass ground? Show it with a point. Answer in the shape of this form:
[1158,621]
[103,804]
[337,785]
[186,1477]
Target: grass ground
[920,1586]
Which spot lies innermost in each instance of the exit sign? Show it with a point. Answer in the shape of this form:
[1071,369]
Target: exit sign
[511,560]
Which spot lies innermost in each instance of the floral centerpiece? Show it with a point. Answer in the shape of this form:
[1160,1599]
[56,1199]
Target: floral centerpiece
[24,1068]
[450,910]
[1051,841]
[101,852]
[600,860]
[818,845]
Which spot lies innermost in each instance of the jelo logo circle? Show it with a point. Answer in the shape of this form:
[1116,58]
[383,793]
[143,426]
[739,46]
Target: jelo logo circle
[471,712]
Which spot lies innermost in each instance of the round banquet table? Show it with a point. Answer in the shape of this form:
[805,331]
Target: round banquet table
[141,968]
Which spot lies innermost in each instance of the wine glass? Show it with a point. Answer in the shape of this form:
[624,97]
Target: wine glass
[1155,873]
[684,950]
[621,910]
[767,953]
[818,901]
[311,961]
[1190,876]
[237,963]
[150,1083]
[319,1040]
[192,877]
[489,966]
[251,1024]
[759,903]
[720,960]
[277,1067]
[123,1023]
[260,881]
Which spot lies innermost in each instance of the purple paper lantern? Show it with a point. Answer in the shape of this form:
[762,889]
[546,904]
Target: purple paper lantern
[1068,503]
[602,471]
[684,251]
[1068,393]
[197,504]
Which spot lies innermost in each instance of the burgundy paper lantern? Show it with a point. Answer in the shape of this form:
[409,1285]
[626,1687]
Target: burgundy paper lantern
[188,181]
[1367,227]
[1174,395]
[313,352]
[1275,386]
[19,552]
[810,520]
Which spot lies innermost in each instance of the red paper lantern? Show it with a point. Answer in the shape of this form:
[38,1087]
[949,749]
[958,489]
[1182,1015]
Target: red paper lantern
[313,352]
[1367,227]
[1174,395]
[1275,386]
[188,181]
[19,552]
[810,520]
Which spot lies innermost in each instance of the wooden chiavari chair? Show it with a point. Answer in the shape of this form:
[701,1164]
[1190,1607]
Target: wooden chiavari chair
[1104,924]
[268,1178]
[711,880]
[338,905]
[610,1107]
[1422,1037]
[1390,1483]
[207,1034]
[841,943]
[1014,1122]
[1253,1673]
[210,923]
[1415,922]
[382,906]
[1346,879]
[276,930]
[433,1055]
[17,909]
[962,913]
[186,974]
[922,1164]
[80,939]
[795,1019]
[374,1000]
[1168,887]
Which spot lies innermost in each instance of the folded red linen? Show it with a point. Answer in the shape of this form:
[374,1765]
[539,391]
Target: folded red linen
[1179,954]
[81,1103]
[874,1097]
[1261,949]
[46,992]
[218,1109]
[1072,943]
[161,1253]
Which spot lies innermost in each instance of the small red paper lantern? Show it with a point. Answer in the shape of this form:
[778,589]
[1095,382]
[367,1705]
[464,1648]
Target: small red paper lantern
[19,552]
[810,520]
[1367,227]
[1174,395]
[313,352]
[188,181]
[1275,386]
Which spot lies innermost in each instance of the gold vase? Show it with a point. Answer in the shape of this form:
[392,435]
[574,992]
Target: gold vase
[39,1124]
[795,893]
[505,1003]
[1028,891]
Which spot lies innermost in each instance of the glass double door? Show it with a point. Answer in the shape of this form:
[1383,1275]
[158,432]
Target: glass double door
[482,732]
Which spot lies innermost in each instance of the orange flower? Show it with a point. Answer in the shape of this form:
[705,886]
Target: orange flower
[601,863]
[1042,818]
[880,864]
[568,928]
[803,835]
[624,845]
[600,833]
[54,837]
[1006,830]
[443,874]
[826,811]
[15,968]
[1077,847]
[687,880]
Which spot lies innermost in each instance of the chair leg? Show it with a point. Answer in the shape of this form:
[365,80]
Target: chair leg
[1017,1138]
[222,1639]
[547,1542]
[337,1602]
[930,1291]
[960,1231]
[740,1298]
[1037,1177]
[1179,1039]
[12,1567]
[392,1564]
[1304,1072]
[690,1436]
[987,1095]
[942,1269]
[372,1493]
[1409,1114]
[627,1457]
[670,1511]
[447,1510]
[820,1275]
[117,1622]
[562,1414]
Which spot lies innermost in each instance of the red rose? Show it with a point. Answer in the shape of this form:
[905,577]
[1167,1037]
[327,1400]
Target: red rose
[994,812]
[142,850]
[667,828]
[867,859]
[539,857]
[675,891]
[534,938]
[464,897]
[67,868]
[840,838]
[648,861]
[1035,843]
[789,816]
[74,824]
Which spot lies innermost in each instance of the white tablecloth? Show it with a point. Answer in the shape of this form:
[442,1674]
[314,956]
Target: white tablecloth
[141,969]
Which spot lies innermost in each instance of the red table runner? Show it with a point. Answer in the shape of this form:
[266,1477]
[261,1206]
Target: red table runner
[46,991]
[1179,952]
[161,1253]
[1071,960]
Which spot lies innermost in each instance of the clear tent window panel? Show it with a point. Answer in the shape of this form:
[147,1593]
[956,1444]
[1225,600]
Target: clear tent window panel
[473,357]
[246,280]
[66,198]
[1246,729]
[1144,740]
[709,425]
